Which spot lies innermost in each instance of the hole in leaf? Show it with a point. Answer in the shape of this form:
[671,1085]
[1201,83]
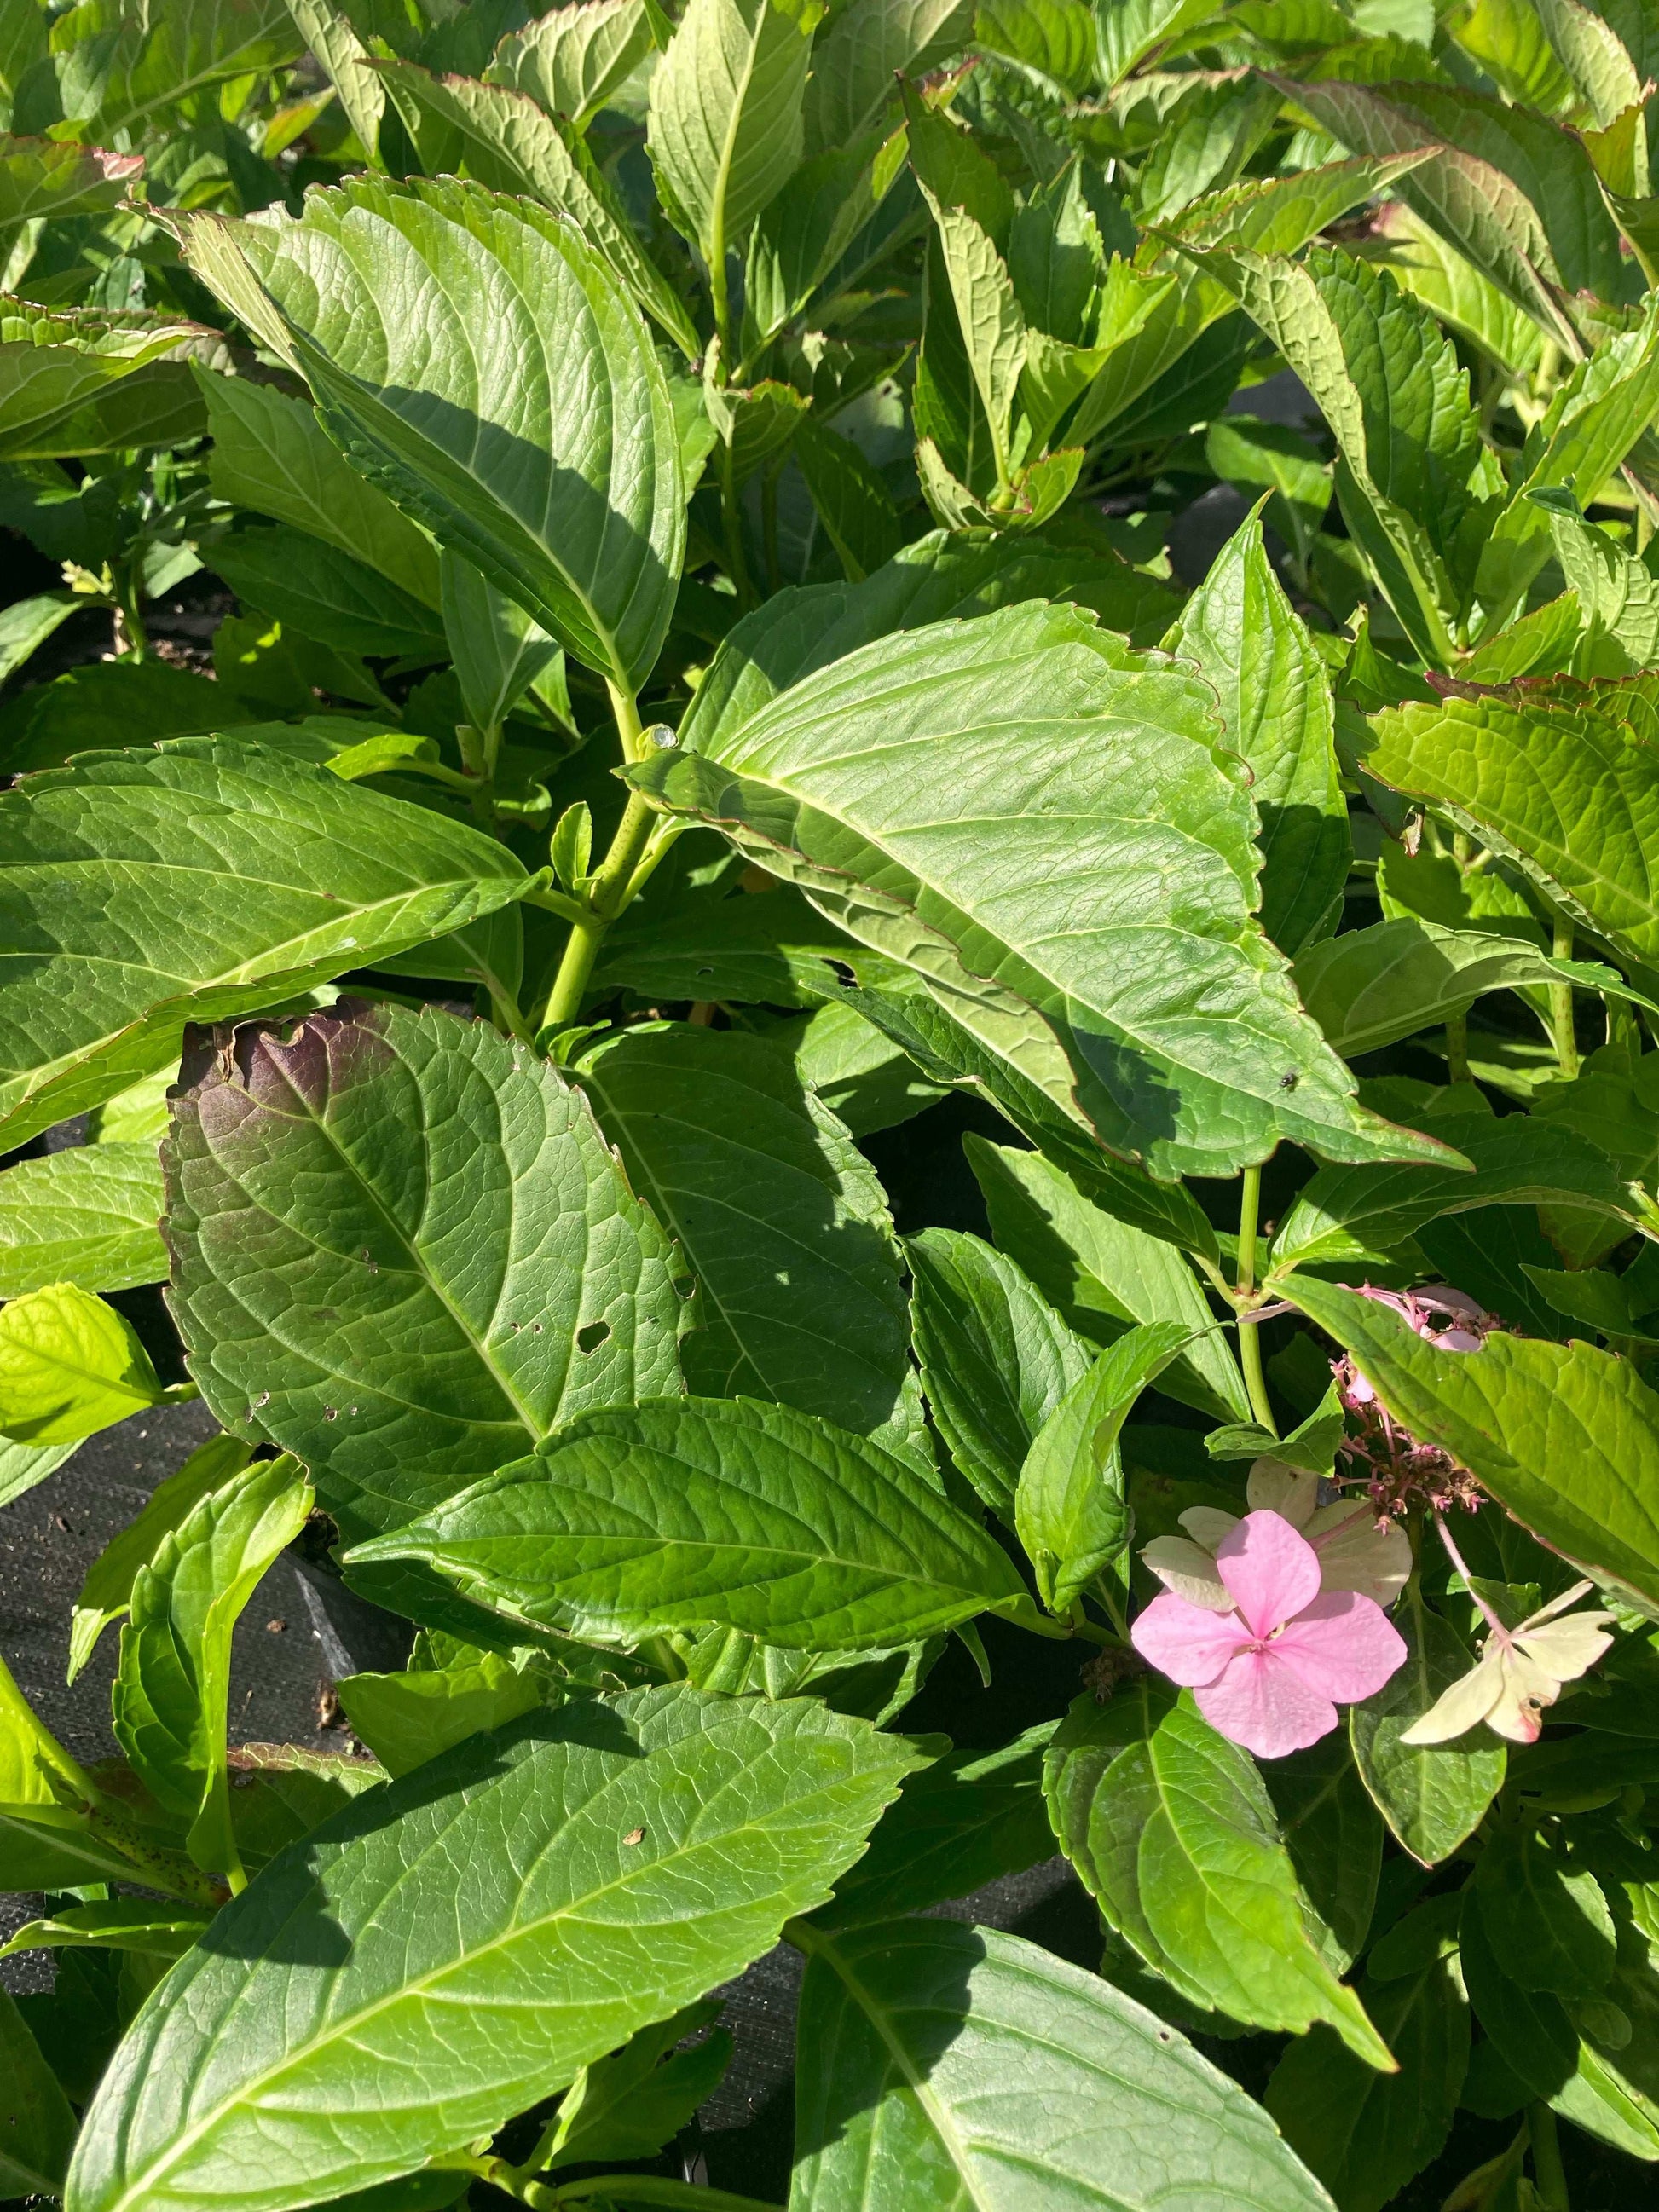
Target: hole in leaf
[590,1338]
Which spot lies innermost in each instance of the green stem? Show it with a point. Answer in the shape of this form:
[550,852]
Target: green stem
[1546,2168]
[1249,1336]
[612,888]
[1457,1047]
[134,637]
[1561,1028]
[737,565]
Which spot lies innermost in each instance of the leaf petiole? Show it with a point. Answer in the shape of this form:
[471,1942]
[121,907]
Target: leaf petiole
[1249,1338]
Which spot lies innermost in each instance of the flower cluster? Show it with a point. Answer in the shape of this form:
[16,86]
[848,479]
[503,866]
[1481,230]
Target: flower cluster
[1273,1625]
[1397,1470]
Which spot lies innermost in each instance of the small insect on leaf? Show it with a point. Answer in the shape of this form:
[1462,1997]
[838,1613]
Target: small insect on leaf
[634,1836]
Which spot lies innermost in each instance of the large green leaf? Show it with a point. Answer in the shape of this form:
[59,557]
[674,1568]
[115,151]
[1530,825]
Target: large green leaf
[1276,704]
[1433,1797]
[514,404]
[1365,2135]
[1070,1509]
[23,1466]
[119,873]
[1347,1213]
[270,452]
[682,1513]
[1545,1918]
[996,1359]
[403,1251]
[1552,782]
[780,1218]
[1567,1438]
[88,1217]
[1036,820]
[725,129]
[1104,1274]
[512,145]
[171,1697]
[1171,1829]
[987,2072]
[482,1930]
[1334,1837]
[323,593]
[945,576]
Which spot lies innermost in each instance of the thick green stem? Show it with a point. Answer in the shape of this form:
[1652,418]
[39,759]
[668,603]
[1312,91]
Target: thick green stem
[1561,1027]
[1547,2171]
[1249,1335]
[737,565]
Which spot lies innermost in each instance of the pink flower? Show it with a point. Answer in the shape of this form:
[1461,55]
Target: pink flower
[1271,1672]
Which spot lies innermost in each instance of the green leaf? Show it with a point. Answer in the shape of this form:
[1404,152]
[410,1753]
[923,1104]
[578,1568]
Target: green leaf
[512,145]
[941,577]
[864,1080]
[106,1593]
[968,1819]
[86,1216]
[23,1466]
[861,50]
[1619,599]
[572,59]
[70,1366]
[1531,2032]
[28,624]
[851,499]
[114,874]
[719,1816]
[989,2072]
[676,1513]
[952,1057]
[325,594]
[1474,205]
[61,373]
[1347,1214]
[1070,1510]
[1276,704]
[1469,304]
[1545,1919]
[1103,1275]
[37,2127]
[43,182]
[1129,29]
[1351,334]
[804,230]
[498,651]
[406,1719]
[867,773]
[171,1690]
[330,38]
[725,129]
[1334,1838]
[780,1218]
[996,1359]
[1366,2134]
[124,1923]
[1255,456]
[1566,1436]
[1433,1797]
[1171,1830]
[627,2106]
[1372,987]
[271,453]
[121,67]
[556,471]
[1553,783]
[476,1270]
[1589,51]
